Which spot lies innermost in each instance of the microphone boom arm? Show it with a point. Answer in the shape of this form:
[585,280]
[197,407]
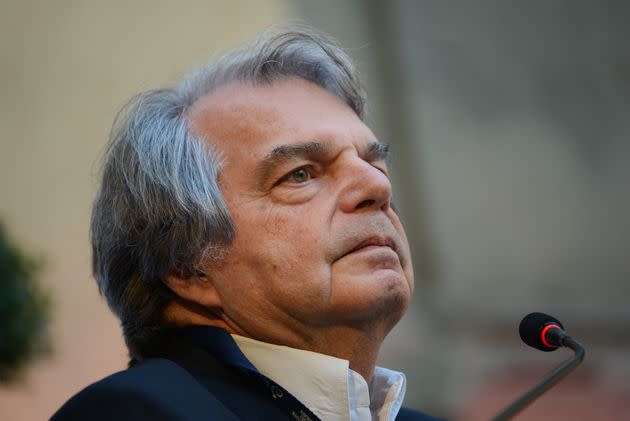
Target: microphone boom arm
[552,378]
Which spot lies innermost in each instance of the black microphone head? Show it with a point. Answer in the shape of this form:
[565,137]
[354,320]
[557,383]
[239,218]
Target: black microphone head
[531,329]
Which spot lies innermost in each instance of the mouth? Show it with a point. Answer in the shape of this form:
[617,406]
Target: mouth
[374,242]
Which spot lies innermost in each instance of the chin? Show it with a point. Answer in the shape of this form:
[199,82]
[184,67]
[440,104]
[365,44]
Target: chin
[396,301]
[395,297]
[384,298]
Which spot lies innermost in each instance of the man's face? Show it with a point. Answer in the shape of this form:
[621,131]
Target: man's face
[317,243]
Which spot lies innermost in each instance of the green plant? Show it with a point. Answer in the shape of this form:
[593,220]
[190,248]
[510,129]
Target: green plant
[24,311]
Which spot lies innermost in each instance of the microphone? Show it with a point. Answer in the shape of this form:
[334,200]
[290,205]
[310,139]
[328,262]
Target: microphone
[546,333]
[541,331]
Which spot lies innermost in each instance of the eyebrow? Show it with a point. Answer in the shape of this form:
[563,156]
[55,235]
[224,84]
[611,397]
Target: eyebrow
[282,154]
[377,151]
[285,153]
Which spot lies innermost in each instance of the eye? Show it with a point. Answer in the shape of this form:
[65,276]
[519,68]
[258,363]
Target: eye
[382,168]
[297,176]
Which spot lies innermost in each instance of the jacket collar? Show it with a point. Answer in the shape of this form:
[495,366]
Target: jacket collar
[220,344]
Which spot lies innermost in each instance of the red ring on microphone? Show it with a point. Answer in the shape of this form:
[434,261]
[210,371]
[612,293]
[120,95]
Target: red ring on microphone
[544,333]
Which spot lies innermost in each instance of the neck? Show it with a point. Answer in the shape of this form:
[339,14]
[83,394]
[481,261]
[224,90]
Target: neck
[359,344]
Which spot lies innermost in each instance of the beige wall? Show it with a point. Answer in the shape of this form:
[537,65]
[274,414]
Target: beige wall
[66,67]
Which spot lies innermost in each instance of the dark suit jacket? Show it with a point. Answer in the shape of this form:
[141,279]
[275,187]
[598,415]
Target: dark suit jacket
[195,373]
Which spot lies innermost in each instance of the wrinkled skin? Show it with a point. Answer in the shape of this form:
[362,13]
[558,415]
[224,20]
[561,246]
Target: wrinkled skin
[320,260]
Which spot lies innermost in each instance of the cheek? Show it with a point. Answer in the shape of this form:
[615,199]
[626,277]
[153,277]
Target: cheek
[297,244]
[295,231]
[407,263]
[277,240]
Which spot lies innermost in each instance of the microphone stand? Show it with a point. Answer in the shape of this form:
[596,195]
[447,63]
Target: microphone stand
[545,384]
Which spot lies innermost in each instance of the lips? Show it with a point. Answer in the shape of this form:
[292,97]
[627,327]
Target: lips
[374,241]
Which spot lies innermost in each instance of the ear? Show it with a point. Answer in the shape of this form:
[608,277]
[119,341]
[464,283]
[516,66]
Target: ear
[197,288]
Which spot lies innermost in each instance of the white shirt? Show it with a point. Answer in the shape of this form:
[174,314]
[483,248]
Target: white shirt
[326,385]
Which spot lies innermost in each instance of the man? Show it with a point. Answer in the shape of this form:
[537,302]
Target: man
[243,233]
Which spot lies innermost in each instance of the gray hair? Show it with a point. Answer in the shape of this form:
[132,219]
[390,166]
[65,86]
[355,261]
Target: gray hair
[159,207]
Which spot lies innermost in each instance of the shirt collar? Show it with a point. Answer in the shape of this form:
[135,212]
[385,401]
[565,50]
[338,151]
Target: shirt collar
[325,384]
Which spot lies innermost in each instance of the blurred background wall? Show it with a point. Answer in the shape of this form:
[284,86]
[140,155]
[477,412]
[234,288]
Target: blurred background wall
[510,132]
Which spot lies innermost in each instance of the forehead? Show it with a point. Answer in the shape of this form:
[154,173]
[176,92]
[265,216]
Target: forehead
[250,120]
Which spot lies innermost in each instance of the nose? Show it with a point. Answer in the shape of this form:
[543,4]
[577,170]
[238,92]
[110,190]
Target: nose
[365,187]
